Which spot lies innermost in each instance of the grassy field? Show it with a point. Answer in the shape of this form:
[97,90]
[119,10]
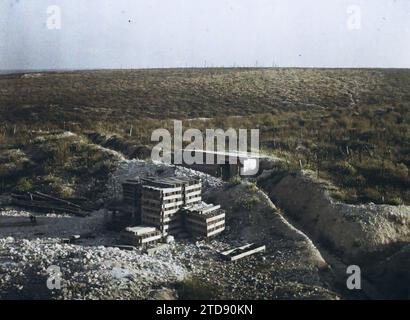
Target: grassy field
[191,93]
[351,126]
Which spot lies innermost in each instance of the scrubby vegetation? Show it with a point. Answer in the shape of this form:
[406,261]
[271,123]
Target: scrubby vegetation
[189,93]
[63,164]
[194,288]
[350,126]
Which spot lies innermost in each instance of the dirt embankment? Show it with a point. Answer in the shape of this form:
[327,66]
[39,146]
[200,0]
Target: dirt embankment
[372,236]
[292,267]
[127,147]
[356,231]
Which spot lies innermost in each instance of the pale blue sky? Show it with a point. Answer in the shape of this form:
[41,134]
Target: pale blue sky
[178,33]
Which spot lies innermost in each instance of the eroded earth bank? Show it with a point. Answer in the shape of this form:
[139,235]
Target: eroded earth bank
[374,237]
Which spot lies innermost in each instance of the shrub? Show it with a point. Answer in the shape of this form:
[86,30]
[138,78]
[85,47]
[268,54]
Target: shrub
[372,195]
[249,203]
[395,201]
[24,185]
[252,188]
[344,168]
[234,181]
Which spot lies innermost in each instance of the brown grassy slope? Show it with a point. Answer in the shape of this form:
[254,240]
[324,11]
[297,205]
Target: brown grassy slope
[351,126]
[189,93]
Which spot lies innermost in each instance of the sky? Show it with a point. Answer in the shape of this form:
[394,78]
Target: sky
[95,34]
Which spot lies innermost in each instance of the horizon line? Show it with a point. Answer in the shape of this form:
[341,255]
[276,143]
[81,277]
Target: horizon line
[49,70]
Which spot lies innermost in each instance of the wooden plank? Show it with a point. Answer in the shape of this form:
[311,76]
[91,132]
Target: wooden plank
[43,206]
[239,248]
[57,199]
[123,247]
[242,252]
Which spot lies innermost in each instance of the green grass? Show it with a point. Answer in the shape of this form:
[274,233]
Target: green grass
[60,165]
[190,93]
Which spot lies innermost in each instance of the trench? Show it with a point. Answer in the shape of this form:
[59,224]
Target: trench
[336,276]
[373,284]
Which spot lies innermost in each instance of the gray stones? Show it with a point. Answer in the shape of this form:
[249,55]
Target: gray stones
[9,239]
[129,169]
[169,239]
[91,272]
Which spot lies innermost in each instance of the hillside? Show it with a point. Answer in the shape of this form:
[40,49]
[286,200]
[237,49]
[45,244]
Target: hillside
[339,172]
[351,126]
[190,93]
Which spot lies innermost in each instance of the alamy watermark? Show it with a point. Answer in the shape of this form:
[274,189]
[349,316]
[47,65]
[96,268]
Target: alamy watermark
[54,20]
[54,278]
[354,19]
[354,280]
[214,146]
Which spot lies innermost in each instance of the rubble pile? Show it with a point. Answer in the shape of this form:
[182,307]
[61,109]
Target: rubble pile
[96,267]
[86,272]
[19,213]
[130,169]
